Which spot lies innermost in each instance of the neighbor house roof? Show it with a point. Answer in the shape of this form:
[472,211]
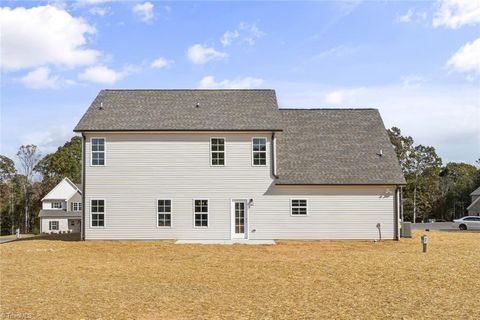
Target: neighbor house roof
[335,146]
[64,190]
[476,192]
[59,214]
[182,110]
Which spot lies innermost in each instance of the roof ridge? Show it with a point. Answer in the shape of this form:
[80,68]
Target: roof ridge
[280,108]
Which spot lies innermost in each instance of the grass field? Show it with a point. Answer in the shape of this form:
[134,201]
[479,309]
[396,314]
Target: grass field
[45,279]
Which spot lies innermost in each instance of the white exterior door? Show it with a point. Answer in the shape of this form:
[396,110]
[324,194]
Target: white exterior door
[239,219]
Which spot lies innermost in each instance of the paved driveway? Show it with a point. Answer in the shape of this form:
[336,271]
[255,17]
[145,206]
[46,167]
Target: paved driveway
[4,239]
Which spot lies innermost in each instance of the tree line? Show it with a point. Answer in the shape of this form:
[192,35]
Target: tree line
[433,190]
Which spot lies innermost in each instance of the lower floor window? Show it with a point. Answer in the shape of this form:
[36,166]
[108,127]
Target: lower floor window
[201,213]
[299,207]
[164,213]
[53,225]
[98,213]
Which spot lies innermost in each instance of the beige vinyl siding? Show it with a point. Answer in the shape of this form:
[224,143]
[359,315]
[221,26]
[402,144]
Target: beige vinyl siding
[77,197]
[143,167]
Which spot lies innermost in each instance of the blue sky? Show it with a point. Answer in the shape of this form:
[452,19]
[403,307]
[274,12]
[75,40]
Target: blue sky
[418,62]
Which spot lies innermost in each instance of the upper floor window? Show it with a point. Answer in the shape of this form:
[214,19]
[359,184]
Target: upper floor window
[98,213]
[53,225]
[298,207]
[56,205]
[259,151]
[217,149]
[164,213]
[98,151]
[201,213]
[76,206]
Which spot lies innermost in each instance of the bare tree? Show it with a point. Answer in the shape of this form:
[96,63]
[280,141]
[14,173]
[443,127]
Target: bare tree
[29,155]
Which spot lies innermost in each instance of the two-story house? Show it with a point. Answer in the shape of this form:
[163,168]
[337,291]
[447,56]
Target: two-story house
[62,209]
[474,207]
[229,164]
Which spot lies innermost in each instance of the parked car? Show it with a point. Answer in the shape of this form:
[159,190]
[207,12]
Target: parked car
[468,223]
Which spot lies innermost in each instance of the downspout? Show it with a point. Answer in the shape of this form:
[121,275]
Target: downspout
[83,188]
[397,216]
[273,155]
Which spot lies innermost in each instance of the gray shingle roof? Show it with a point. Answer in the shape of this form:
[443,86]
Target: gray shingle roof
[335,146]
[59,214]
[176,110]
[318,146]
[476,192]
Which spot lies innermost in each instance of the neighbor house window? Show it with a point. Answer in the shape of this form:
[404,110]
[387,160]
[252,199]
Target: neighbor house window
[259,151]
[98,151]
[76,206]
[164,213]
[299,207]
[217,149]
[56,205]
[53,225]
[201,213]
[98,213]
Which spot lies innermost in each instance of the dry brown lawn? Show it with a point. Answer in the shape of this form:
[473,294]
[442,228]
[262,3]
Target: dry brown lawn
[46,279]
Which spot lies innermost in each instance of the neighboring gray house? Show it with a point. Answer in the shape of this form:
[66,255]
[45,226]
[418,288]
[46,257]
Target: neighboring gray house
[228,164]
[62,209]
[474,207]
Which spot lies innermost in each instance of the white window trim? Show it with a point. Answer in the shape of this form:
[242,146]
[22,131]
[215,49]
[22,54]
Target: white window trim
[50,225]
[79,206]
[224,152]
[266,152]
[291,207]
[54,208]
[104,213]
[104,153]
[171,213]
[208,213]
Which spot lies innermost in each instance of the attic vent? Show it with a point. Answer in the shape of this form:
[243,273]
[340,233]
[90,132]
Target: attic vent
[197,105]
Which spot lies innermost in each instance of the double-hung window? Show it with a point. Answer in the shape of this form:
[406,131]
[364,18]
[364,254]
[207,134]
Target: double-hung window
[98,151]
[164,213]
[259,151]
[53,225]
[201,213]
[56,205]
[76,206]
[97,213]
[298,207]
[217,149]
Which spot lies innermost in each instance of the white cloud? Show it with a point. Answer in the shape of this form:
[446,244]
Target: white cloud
[245,32]
[100,11]
[41,78]
[335,97]
[144,11]
[228,37]
[200,54]
[407,17]
[48,140]
[161,62]
[456,13]
[413,81]
[104,75]
[209,82]
[43,35]
[446,117]
[467,58]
